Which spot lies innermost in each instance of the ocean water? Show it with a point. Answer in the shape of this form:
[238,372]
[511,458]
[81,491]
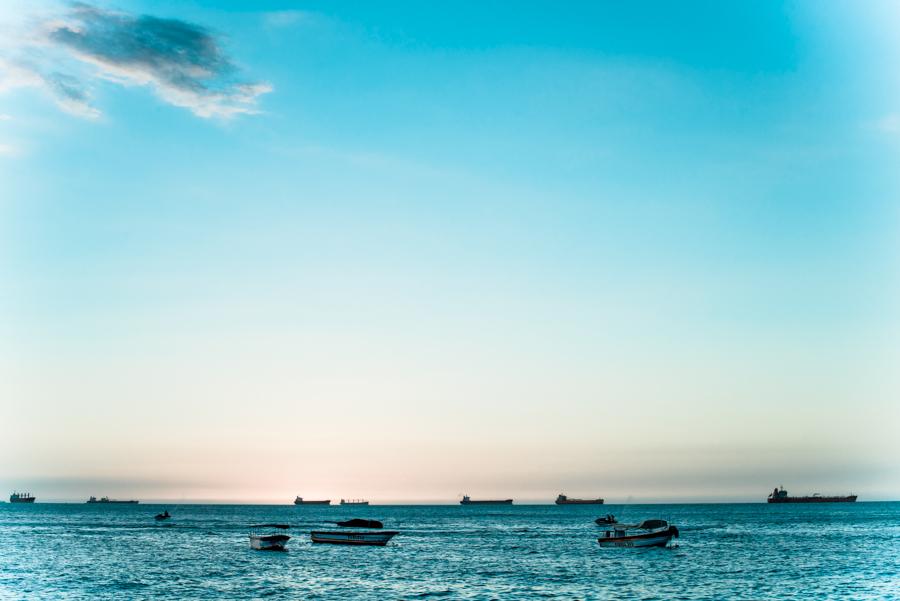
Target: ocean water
[735,551]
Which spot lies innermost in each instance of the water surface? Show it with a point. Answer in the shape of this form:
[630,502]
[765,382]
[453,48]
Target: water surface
[752,551]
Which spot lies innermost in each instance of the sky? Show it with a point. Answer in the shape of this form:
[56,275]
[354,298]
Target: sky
[252,250]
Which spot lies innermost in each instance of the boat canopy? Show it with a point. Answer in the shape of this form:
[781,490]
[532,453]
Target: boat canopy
[279,526]
[653,524]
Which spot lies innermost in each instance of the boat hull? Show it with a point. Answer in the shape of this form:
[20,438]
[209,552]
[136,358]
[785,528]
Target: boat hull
[488,502]
[652,538]
[268,542]
[659,540]
[26,500]
[377,539]
[312,502]
[580,502]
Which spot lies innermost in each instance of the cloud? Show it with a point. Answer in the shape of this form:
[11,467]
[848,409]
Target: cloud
[184,63]
[285,18]
[889,124]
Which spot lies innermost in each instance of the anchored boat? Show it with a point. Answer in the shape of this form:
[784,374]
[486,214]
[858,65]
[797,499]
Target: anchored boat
[354,502]
[268,537]
[607,520]
[21,497]
[649,533]
[564,500]
[467,501]
[105,500]
[302,501]
[779,495]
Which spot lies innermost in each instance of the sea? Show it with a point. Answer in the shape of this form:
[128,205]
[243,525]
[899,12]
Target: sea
[725,551]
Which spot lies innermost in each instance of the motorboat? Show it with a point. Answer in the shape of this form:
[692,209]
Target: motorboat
[162,516]
[355,537]
[359,523]
[268,537]
[649,533]
[606,520]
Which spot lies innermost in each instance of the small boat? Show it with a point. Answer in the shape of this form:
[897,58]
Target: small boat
[21,497]
[606,520]
[359,523]
[107,500]
[344,537]
[302,501]
[468,501]
[354,502]
[649,533]
[268,537]
[162,516]
[564,500]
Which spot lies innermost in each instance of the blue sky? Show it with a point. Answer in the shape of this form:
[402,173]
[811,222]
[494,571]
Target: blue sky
[640,250]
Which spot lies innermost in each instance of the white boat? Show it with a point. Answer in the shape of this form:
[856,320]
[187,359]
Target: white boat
[649,533]
[345,537]
[268,537]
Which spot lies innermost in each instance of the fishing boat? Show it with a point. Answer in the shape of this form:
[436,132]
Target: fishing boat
[649,533]
[356,537]
[21,497]
[359,523]
[354,502]
[779,495]
[162,516]
[268,537]
[564,500]
[105,500]
[302,501]
[468,501]
[606,520]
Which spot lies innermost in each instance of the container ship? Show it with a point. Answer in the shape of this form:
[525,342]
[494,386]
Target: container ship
[564,500]
[302,501]
[106,500]
[21,497]
[779,495]
[467,501]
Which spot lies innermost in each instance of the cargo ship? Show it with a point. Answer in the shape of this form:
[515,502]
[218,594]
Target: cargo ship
[467,501]
[302,501]
[564,500]
[107,500]
[21,497]
[779,495]
[354,502]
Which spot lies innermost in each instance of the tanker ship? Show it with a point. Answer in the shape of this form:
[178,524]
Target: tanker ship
[779,495]
[468,501]
[564,500]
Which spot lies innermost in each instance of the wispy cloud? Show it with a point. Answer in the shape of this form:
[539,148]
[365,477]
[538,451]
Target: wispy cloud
[889,124]
[184,63]
[285,18]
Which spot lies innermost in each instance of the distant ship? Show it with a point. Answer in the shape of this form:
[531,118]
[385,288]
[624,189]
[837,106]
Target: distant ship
[467,501]
[564,500]
[106,500]
[300,501]
[779,495]
[354,502]
[21,497]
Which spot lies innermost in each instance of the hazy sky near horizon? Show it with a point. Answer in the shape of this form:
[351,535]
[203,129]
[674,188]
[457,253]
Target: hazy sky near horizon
[250,250]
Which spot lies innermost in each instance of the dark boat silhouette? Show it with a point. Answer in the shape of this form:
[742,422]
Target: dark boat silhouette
[302,501]
[468,501]
[21,497]
[359,523]
[779,495]
[162,516]
[564,500]
[105,500]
